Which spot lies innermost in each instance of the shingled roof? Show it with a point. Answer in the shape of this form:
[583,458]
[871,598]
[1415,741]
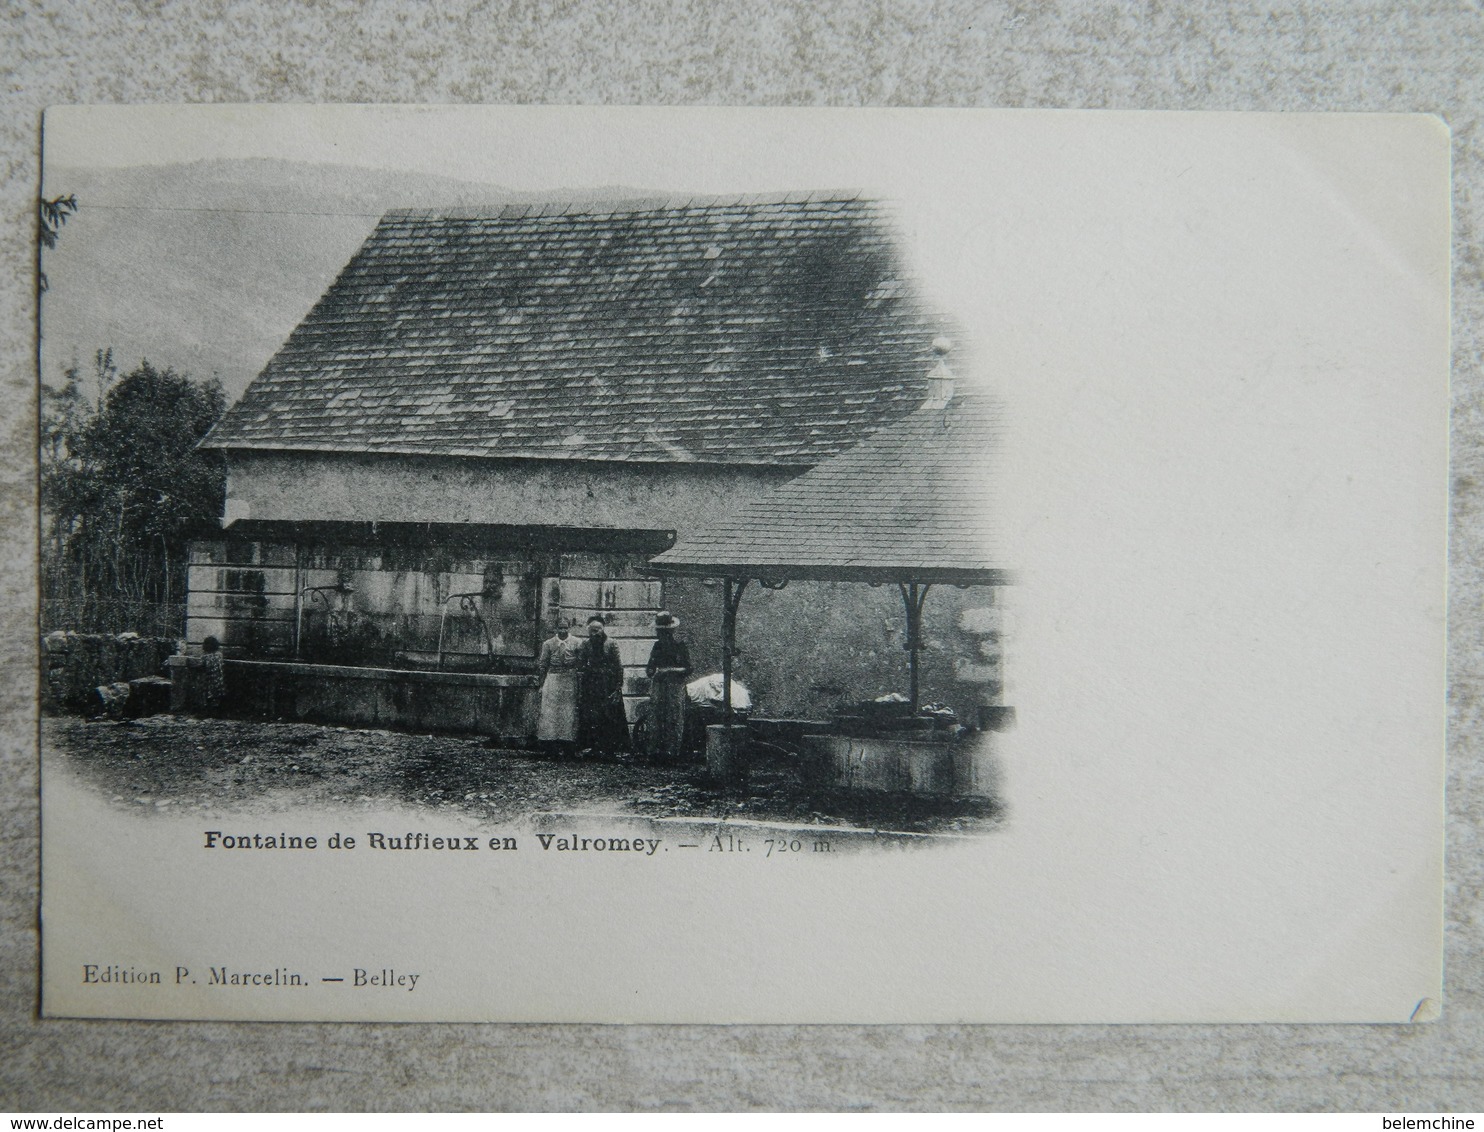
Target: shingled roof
[751,331]
[912,502]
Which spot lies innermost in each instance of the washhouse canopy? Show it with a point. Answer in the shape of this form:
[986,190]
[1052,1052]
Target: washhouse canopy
[911,505]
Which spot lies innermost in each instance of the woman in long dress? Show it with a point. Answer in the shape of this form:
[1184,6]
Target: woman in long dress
[668,667]
[602,727]
[557,667]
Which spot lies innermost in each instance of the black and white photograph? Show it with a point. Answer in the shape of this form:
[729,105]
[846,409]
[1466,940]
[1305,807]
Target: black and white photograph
[711,565]
[510,477]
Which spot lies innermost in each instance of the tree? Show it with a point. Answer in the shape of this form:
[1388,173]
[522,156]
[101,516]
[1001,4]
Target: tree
[54,213]
[124,487]
[65,413]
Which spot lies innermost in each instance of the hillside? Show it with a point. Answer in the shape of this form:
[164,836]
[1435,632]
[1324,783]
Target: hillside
[208,266]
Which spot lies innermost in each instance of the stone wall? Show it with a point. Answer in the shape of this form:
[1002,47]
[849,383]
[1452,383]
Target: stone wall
[74,664]
[357,487]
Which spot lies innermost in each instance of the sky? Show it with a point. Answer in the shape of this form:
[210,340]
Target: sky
[1137,228]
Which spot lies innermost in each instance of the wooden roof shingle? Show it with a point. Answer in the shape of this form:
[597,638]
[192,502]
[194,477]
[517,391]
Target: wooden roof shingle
[750,331]
[912,502]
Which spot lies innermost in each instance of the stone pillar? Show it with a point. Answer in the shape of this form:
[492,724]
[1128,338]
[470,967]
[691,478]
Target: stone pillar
[181,679]
[726,754]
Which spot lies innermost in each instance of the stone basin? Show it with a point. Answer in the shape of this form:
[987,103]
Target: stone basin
[935,764]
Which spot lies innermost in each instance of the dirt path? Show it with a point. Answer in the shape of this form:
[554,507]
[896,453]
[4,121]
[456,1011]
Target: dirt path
[225,765]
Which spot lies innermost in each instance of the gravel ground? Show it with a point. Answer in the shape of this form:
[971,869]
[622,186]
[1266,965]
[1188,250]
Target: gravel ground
[227,765]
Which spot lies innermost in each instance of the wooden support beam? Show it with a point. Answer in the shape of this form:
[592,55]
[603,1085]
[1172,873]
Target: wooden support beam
[731,599]
[913,596]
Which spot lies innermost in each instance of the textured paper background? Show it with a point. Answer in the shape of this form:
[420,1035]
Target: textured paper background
[1416,58]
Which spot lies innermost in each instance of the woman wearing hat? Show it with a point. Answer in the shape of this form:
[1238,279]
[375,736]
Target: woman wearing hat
[669,665]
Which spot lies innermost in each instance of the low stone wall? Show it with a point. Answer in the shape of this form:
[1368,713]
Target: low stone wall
[503,707]
[75,664]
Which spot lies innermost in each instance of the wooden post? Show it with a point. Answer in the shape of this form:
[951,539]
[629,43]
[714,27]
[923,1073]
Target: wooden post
[731,599]
[912,598]
[298,596]
[728,630]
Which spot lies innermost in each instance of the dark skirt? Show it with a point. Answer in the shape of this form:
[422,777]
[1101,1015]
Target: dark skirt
[667,715]
[602,725]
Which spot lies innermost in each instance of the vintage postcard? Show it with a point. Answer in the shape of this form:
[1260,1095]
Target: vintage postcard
[742,565]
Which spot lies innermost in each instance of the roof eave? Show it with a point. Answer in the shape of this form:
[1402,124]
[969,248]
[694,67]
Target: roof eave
[807,572]
[792,465]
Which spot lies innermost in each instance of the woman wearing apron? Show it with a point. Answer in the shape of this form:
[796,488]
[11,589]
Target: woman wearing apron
[556,728]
